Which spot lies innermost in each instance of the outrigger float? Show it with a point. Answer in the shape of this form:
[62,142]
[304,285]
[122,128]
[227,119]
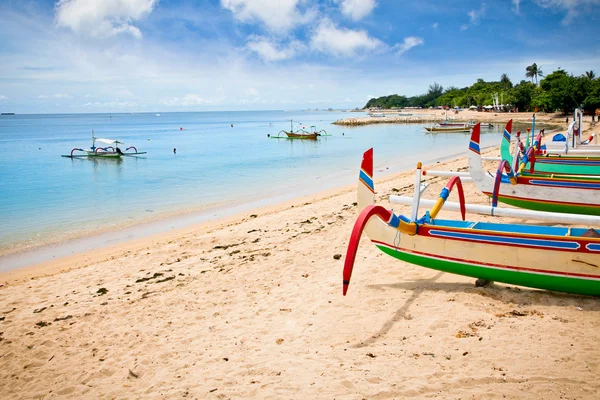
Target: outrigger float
[507,253]
[112,151]
[573,194]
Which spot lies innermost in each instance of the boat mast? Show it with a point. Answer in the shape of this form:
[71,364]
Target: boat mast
[93,141]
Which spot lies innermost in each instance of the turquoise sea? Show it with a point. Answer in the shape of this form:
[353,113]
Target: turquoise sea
[224,162]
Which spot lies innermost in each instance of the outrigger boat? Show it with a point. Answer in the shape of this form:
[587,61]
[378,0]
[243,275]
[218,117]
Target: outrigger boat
[112,151]
[575,162]
[313,134]
[470,123]
[508,253]
[449,129]
[538,191]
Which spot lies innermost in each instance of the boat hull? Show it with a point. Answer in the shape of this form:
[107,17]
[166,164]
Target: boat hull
[448,129]
[306,136]
[530,277]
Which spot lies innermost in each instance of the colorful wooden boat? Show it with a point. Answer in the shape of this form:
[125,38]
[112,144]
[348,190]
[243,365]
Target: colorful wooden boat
[543,192]
[556,163]
[470,124]
[111,151]
[551,258]
[449,129]
[313,134]
[302,135]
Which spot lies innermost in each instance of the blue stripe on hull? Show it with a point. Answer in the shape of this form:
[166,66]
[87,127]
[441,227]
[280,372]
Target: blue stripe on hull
[550,244]
[593,247]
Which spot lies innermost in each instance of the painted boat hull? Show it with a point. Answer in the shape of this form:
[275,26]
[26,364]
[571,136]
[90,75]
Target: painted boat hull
[308,136]
[448,129]
[550,258]
[562,164]
[540,192]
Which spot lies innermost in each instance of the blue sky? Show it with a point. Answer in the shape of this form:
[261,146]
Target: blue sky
[150,55]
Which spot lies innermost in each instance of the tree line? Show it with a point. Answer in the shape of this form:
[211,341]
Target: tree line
[558,91]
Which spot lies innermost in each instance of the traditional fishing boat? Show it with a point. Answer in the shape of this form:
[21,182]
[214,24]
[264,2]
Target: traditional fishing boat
[508,253]
[470,123]
[111,151]
[313,134]
[302,135]
[538,191]
[574,162]
[449,129]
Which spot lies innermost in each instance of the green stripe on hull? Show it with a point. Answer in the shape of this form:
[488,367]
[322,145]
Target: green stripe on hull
[547,282]
[542,206]
[566,169]
[554,168]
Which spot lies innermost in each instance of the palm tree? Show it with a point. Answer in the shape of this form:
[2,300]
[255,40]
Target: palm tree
[533,71]
[590,75]
[505,80]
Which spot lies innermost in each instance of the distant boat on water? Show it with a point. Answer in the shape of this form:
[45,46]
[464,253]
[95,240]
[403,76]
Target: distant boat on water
[110,151]
[7,113]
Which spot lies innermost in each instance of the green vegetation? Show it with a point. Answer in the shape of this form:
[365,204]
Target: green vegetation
[558,91]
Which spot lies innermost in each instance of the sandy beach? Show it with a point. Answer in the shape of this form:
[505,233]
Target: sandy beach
[432,116]
[252,307]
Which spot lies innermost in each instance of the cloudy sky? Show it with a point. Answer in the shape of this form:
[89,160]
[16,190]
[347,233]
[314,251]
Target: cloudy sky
[194,55]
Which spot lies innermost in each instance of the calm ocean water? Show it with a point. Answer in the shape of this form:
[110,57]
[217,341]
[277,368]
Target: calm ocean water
[46,198]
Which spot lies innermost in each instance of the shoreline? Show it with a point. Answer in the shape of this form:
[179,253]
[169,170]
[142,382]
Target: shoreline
[552,121]
[26,257]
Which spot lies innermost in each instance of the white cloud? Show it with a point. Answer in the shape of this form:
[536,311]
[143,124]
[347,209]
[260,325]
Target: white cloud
[101,18]
[110,104]
[3,97]
[277,15]
[573,7]
[328,38]
[270,51]
[192,99]
[409,43]
[54,96]
[516,9]
[356,9]
[474,17]
[434,25]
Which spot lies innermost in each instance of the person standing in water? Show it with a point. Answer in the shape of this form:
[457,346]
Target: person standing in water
[174,150]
